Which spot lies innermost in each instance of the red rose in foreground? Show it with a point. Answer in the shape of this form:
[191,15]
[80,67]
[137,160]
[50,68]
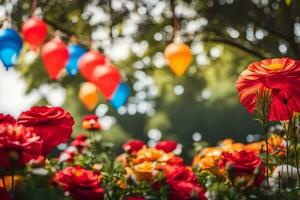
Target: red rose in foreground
[81,183]
[52,124]
[167,146]
[5,195]
[243,164]
[281,76]
[18,145]
[133,146]
[183,184]
[7,119]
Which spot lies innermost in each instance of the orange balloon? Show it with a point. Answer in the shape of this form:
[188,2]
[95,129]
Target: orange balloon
[179,57]
[88,95]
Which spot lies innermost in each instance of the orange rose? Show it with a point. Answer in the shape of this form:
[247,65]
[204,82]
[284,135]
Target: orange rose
[145,171]
[255,147]
[229,145]
[148,155]
[208,162]
[277,143]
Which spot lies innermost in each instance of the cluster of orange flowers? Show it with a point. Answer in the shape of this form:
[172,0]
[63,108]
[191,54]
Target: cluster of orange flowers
[208,158]
[145,163]
[159,167]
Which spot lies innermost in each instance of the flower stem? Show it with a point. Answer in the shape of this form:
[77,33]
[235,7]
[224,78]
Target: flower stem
[4,183]
[297,157]
[13,180]
[266,127]
[285,102]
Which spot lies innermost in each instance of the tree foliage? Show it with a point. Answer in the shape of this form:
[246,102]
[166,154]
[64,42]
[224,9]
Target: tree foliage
[225,36]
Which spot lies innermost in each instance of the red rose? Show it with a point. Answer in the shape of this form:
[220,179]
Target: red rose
[182,190]
[183,184]
[80,142]
[5,195]
[133,146]
[175,161]
[52,124]
[18,145]
[80,183]
[7,119]
[243,164]
[167,146]
[90,122]
[177,173]
[281,76]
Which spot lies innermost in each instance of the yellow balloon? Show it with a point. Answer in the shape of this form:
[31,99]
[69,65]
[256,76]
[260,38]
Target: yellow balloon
[179,57]
[88,95]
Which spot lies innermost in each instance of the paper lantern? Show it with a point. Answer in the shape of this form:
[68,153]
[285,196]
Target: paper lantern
[34,31]
[55,56]
[179,57]
[88,95]
[106,78]
[75,51]
[10,47]
[120,96]
[88,62]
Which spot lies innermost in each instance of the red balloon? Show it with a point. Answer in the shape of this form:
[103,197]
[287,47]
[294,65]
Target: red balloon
[88,62]
[34,31]
[106,78]
[55,56]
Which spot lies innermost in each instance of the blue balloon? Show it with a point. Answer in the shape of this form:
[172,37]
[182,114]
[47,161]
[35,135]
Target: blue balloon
[120,96]
[10,47]
[76,51]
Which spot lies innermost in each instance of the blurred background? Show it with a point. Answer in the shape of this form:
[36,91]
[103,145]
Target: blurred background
[224,35]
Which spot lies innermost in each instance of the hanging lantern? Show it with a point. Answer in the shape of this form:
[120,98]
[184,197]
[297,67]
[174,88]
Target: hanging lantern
[88,95]
[179,57]
[88,62]
[10,47]
[120,96]
[34,31]
[75,51]
[106,78]
[55,55]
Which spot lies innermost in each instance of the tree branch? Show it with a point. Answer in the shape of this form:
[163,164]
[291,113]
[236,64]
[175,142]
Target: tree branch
[67,33]
[236,45]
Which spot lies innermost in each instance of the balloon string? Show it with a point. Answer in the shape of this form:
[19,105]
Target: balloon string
[33,7]
[7,21]
[175,20]
[111,27]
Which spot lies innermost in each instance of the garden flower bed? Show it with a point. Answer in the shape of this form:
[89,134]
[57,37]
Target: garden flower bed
[88,168]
